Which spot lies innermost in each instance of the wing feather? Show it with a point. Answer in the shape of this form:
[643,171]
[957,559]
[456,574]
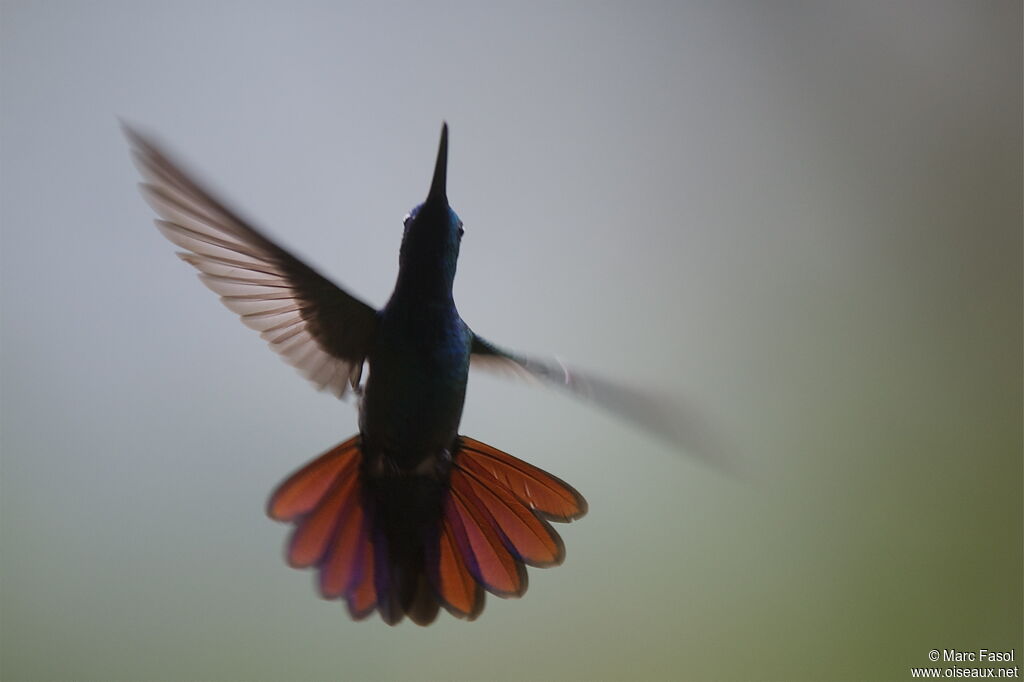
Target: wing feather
[313,324]
[667,417]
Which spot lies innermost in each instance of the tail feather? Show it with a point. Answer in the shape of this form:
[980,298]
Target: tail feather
[548,495]
[425,605]
[409,545]
[487,557]
[340,569]
[309,542]
[302,491]
[388,580]
[460,594]
[361,598]
[533,540]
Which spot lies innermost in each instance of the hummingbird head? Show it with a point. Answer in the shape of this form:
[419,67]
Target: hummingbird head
[433,232]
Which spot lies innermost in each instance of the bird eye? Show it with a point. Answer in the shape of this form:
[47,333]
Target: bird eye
[461,231]
[406,218]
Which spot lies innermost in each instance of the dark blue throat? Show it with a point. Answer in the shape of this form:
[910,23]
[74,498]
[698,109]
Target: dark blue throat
[429,254]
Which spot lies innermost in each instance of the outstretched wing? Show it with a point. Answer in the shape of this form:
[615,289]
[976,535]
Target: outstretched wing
[679,425]
[315,326]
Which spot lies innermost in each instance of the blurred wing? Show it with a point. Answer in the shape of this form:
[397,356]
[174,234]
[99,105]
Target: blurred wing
[660,415]
[317,327]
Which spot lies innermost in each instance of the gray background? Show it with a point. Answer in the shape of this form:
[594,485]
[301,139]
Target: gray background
[805,218]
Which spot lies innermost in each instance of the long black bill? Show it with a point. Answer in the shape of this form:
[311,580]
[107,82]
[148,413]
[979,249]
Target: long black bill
[438,190]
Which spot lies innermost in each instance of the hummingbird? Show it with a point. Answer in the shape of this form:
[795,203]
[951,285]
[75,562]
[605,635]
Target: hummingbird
[408,516]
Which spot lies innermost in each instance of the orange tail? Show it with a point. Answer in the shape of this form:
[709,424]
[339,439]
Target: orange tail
[490,521]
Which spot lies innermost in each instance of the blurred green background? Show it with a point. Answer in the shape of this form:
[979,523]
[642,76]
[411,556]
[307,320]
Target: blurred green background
[802,217]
